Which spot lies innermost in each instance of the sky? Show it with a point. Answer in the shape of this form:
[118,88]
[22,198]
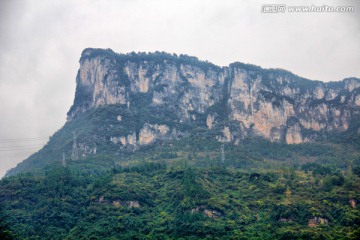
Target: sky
[41,43]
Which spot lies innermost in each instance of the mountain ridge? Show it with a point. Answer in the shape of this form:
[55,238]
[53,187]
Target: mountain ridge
[124,75]
[125,102]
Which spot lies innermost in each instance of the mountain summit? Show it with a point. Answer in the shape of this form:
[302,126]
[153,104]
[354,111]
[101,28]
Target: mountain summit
[244,99]
[124,102]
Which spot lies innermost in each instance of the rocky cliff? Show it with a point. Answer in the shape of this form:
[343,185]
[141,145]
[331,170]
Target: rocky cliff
[239,101]
[127,102]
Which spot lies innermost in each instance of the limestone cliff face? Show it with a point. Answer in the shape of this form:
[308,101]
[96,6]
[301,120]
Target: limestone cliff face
[279,106]
[237,101]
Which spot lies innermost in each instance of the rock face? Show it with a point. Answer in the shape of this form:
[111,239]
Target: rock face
[238,101]
[317,221]
[127,102]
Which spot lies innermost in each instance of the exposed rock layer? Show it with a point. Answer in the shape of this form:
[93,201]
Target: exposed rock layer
[244,99]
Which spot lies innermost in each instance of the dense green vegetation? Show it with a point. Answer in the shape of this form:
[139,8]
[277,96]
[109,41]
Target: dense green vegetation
[155,201]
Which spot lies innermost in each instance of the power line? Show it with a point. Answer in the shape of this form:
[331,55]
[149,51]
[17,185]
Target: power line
[26,138]
[18,147]
[12,140]
[16,155]
[19,151]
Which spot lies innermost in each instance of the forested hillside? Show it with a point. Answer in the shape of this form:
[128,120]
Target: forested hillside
[155,201]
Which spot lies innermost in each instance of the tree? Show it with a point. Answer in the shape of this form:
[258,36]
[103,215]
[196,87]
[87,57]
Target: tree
[356,170]
[288,196]
[5,232]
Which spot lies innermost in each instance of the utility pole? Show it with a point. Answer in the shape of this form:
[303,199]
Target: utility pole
[74,155]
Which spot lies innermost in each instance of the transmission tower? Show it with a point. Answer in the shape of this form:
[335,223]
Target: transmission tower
[63,161]
[75,154]
[222,153]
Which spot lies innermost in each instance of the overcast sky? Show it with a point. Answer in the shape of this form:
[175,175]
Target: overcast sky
[41,43]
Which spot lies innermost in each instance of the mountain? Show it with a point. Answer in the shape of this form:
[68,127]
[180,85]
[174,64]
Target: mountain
[274,104]
[159,146]
[126,103]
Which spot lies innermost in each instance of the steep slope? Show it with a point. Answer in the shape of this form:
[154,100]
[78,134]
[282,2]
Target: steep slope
[274,104]
[126,102]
